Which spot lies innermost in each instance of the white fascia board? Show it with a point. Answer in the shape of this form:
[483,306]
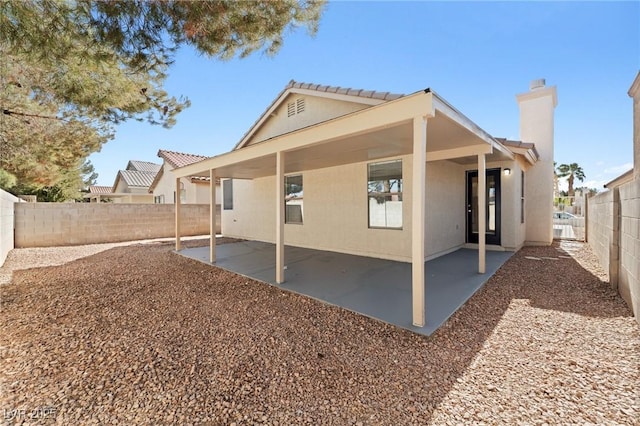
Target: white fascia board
[380,116]
[527,153]
[467,151]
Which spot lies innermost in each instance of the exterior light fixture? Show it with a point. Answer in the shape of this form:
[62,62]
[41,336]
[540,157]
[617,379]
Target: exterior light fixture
[507,171]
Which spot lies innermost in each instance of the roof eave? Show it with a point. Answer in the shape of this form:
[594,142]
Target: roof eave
[620,180]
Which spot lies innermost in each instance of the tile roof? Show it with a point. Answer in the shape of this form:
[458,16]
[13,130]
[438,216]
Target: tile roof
[371,94]
[518,144]
[180,159]
[97,189]
[137,178]
[384,96]
[143,166]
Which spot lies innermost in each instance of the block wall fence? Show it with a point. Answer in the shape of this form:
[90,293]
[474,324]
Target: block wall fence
[614,234]
[61,224]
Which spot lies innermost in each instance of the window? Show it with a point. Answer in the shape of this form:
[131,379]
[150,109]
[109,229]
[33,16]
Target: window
[293,195]
[521,197]
[159,199]
[183,194]
[227,193]
[295,107]
[384,187]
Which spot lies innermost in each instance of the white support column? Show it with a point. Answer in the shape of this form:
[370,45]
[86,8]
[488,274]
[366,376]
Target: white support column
[178,245]
[212,215]
[418,183]
[482,212]
[280,217]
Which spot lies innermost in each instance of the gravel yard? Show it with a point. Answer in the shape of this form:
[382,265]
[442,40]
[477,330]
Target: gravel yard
[140,335]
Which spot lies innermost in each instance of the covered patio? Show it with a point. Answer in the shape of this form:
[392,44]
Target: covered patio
[421,125]
[377,288]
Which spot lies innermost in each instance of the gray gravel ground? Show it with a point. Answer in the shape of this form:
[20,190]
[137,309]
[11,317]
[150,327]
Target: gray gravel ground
[140,335]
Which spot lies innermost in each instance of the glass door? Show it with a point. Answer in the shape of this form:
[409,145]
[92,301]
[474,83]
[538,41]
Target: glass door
[492,213]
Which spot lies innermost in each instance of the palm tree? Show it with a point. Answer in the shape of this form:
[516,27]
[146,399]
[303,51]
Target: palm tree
[571,171]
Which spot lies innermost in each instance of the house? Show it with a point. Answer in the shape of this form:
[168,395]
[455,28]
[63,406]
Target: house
[193,189]
[98,193]
[131,185]
[388,176]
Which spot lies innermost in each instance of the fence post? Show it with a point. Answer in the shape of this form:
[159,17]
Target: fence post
[614,244]
[587,196]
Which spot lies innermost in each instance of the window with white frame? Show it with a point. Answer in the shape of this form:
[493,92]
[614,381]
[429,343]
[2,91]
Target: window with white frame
[183,194]
[159,199]
[227,194]
[384,188]
[293,198]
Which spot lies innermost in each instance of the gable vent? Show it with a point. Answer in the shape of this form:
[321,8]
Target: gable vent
[295,107]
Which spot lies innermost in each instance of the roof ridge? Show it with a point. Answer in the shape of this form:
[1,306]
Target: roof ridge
[350,91]
[181,153]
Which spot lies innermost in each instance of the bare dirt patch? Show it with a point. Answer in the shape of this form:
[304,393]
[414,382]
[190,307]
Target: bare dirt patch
[140,335]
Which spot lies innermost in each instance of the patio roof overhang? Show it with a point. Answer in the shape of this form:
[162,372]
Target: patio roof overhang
[381,131]
[422,124]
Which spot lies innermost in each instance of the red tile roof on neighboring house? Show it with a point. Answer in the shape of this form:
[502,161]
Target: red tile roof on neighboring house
[180,159]
[143,166]
[96,189]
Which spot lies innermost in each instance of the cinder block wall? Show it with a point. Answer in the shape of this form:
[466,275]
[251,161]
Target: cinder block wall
[600,228]
[6,224]
[614,235]
[61,224]
[629,271]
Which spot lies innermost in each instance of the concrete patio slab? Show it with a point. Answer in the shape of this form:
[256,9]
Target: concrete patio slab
[380,289]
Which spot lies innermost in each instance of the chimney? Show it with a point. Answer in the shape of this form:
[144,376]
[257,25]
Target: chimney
[536,126]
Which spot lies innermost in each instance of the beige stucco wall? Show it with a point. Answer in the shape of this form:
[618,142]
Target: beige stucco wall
[196,193]
[445,216]
[316,110]
[537,126]
[60,224]
[634,92]
[336,215]
[6,223]
[629,268]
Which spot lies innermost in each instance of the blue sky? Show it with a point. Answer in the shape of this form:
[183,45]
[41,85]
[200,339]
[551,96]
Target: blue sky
[476,55]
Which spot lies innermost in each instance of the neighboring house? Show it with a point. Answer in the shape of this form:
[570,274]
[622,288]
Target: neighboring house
[131,185]
[387,176]
[193,189]
[98,193]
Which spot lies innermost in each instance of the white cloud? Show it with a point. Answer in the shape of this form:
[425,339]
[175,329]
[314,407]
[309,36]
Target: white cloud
[616,170]
[597,184]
